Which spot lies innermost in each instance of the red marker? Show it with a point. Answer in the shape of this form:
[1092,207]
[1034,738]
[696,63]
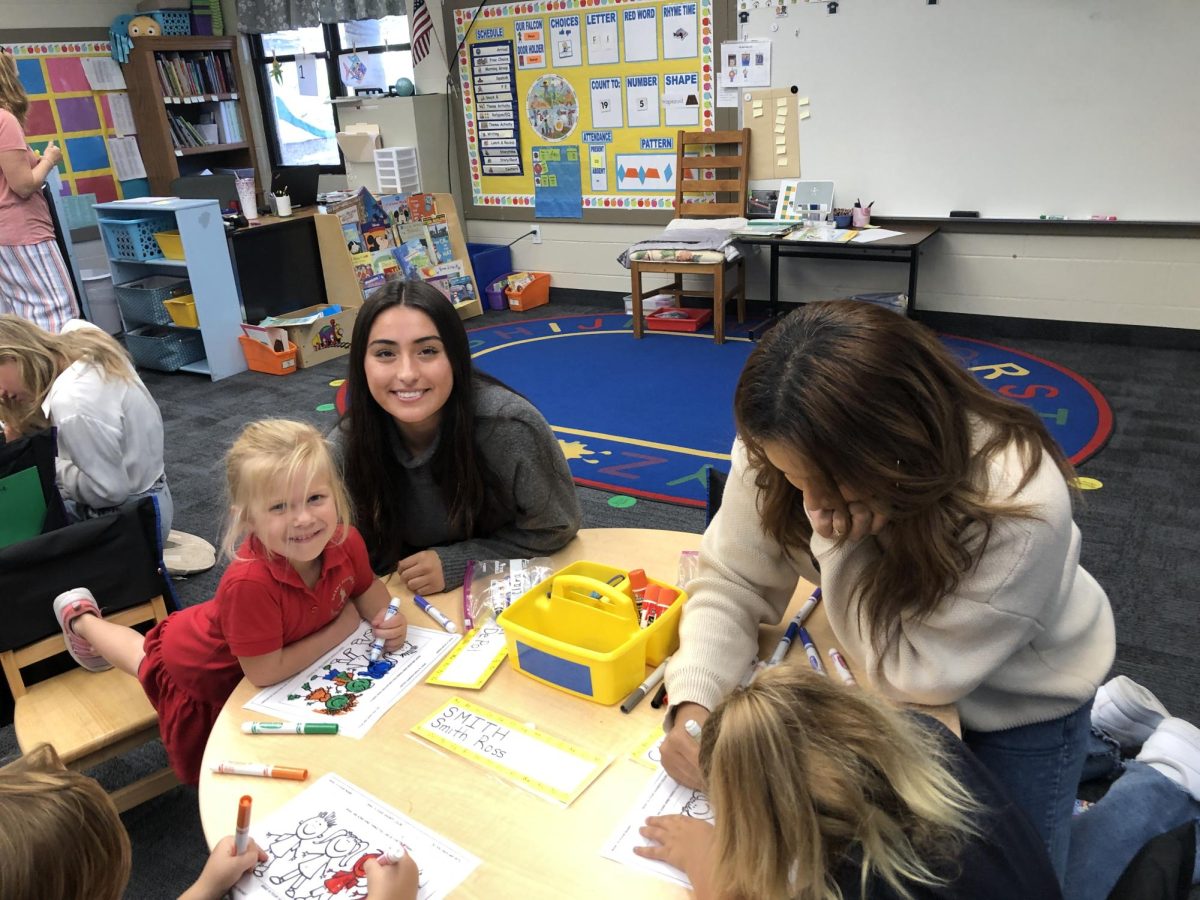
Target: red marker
[241,837]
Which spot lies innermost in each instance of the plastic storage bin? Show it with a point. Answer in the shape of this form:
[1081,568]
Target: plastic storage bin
[170,243]
[164,349]
[576,632]
[262,358]
[678,319]
[142,301]
[173,21]
[489,261]
[133,239]
[183,311]
[535,293]
[495,295]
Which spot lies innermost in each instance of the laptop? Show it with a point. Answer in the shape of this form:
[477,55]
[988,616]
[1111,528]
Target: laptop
[298,182]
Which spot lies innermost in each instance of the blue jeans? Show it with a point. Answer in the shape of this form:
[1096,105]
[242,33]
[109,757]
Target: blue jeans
[160,491]
[1039,766]
[1141,804]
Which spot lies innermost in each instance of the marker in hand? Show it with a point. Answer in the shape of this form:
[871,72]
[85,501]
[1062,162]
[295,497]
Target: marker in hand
[377,646]
[241,837]
[434,613]
[392,855]
[692,727]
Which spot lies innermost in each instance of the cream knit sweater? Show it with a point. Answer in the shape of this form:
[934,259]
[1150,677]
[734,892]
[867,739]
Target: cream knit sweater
[1026,637]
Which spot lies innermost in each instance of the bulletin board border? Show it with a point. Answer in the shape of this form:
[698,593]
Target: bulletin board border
[520,207]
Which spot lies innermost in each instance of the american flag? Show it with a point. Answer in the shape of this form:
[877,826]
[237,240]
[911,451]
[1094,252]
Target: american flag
[421,29]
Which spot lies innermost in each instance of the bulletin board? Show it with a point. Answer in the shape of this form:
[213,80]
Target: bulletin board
[64,108]
[616,79]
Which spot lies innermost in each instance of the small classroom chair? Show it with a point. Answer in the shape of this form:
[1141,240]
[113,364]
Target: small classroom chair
[731,153]
[88,717]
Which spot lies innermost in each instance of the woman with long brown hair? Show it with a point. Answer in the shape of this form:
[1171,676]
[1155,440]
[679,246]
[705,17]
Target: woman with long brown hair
[936,516]
[34,282]
[444,464]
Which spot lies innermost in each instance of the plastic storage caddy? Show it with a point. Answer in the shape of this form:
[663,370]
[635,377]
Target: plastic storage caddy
[262,358]
[576,632]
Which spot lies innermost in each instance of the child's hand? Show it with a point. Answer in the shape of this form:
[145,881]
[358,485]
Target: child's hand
[397,881]
[223,870]
[680,751]
[682,842]
[393,630]
[422,573]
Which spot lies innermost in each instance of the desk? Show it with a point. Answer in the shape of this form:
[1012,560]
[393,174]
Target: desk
[529,847]
[904,248]
[278,265]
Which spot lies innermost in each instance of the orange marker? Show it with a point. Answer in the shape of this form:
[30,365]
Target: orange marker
[241,837]
[262,771]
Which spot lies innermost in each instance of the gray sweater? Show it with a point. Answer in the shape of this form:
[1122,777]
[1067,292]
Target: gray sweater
[532,476]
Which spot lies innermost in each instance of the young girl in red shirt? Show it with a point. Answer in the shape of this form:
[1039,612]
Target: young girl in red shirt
[296,588]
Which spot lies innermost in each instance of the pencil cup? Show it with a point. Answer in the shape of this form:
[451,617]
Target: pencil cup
[247,197]
[283,205]
[860,217]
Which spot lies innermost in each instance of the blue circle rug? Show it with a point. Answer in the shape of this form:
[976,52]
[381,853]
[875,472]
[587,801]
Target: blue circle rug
[648,418]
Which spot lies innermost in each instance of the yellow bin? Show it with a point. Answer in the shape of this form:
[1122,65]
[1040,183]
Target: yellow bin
[182,311]
[170,244]
[580,633]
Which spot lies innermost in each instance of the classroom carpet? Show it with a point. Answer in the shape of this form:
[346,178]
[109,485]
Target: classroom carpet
[648,418]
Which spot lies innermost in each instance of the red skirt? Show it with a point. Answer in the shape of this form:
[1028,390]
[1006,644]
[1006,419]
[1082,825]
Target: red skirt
[183,721]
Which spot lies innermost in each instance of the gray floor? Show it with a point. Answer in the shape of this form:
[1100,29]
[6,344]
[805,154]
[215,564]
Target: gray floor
[1139,530]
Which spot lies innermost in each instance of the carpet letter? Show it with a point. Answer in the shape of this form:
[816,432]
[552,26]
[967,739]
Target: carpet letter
[622,469]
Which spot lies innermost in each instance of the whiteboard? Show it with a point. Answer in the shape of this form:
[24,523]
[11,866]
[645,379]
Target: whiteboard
[1014,108]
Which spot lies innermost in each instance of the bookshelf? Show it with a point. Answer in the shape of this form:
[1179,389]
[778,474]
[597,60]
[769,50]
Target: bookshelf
[178,84]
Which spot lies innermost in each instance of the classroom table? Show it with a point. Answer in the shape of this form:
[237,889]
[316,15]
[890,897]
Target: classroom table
[904,248]
[529,847]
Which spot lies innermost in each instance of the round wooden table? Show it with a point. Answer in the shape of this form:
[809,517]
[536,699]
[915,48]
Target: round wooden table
[529,847]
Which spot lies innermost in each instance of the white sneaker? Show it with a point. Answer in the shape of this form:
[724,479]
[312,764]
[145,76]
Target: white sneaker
[1174,750]
[1126,711]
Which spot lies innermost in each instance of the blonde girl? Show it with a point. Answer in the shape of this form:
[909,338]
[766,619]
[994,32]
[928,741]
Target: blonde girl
[110,430]
[298,585]
[821,792]
[34,282]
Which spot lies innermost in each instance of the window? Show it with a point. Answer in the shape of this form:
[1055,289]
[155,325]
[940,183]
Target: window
[299,119]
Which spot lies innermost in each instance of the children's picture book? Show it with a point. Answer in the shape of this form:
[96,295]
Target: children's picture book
[451,269]
[347,687]
[413,255]
[384,262]
[395,206]
[442,283]
[352,235]
[422,206]
[364,267]
[275,338]
[462,289]
[439,237]
[663,796]
[377,238]
[319,842]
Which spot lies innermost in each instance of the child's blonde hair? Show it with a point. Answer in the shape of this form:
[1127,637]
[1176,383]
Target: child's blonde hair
[12,92]
[42,356]
[267,455]
[804,774]
[62,837]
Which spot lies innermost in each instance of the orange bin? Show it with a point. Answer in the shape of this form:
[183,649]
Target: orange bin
[534,293]
[262,358]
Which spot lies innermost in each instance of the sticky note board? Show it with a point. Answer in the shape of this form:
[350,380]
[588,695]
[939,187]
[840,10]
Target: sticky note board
[663,796]
[769,159]
[348,688]
[297,835]
[474,660]
[538,762]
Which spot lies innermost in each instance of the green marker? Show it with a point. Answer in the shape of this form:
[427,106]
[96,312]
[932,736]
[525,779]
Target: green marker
[289,728]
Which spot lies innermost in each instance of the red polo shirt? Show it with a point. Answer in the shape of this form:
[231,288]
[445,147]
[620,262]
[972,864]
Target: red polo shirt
[261,605]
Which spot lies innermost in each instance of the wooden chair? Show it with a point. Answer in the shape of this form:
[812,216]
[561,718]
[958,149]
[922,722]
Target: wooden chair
[731,153]
[87,717]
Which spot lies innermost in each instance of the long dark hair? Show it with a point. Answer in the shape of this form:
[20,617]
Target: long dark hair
[459,468]
[875,401]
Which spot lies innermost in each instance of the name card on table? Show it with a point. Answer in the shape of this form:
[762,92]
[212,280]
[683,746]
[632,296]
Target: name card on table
[474,660]
[545,765]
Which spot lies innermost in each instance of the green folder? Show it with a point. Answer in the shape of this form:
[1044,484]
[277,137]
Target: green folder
[22,506]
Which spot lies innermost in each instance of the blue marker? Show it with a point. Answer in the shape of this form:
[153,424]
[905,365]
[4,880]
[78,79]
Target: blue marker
[785,642]
[434,613]
[810,650]
[377,646]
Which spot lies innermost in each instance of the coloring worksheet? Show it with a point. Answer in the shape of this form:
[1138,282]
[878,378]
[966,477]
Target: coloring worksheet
[347,688]
[663,796]
[318,844]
